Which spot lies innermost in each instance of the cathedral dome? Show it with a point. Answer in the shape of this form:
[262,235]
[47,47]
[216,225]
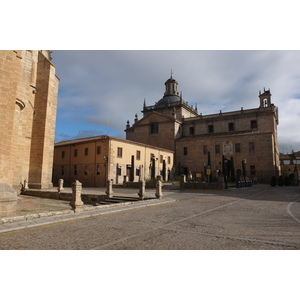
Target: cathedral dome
[168,99]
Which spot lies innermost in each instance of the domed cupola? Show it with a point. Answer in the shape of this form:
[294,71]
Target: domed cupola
[171,94]
[171,87]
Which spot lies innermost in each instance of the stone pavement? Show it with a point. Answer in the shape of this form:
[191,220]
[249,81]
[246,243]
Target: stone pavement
[30,207]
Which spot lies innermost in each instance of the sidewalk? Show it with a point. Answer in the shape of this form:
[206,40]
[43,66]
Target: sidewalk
[30,207]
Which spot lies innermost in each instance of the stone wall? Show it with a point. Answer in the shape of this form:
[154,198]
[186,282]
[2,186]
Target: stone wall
[28,102]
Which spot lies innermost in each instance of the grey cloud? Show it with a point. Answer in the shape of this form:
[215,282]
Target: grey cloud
[109,87]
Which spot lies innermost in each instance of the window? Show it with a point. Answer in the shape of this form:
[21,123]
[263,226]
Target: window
[75,152]
[138,155]
[217,149]
[75,170]
[85,170]
[253,124]
[161,159]
[185,151]
[98,149]
[86,151]
[192,130]
[252,170]
[62,170]
[63,154]
[137,172]
[238,148]
[204,149]
[231,126]
[98,169]
[169,159]
[154,127]
[210,128]
[120,152]
[251,147]
[119,170]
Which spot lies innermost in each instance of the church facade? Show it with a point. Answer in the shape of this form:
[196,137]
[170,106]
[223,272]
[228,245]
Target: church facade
[28,100]
[239,144]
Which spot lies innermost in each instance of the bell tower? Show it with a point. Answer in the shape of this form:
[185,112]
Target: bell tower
[265,98]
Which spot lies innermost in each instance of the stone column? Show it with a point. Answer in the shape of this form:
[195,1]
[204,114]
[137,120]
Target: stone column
[182,181]
[109,191]
[142,192]
[76,201]
[158,193]
[60,185]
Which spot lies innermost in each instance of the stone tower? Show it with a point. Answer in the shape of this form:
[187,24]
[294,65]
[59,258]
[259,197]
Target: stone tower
[28,104]
[161,123]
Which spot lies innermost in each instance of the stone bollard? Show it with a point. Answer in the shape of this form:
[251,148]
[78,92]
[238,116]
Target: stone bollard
[76,201]
[60,185]
[109,191]
[142,192]
[182,181]
[24,186]
[221,183]
[158,193]
[125,180]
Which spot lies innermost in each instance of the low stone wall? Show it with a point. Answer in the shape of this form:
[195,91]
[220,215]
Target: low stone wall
[135,185]
[86,198]
[203,186]
[8,200]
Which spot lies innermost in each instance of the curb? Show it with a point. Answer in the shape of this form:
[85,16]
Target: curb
[7,220]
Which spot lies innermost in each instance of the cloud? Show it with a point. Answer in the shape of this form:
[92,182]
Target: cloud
[104,89]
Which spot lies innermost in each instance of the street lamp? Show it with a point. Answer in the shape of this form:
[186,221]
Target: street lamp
[226,172]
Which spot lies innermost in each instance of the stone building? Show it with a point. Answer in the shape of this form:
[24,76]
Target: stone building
[290,163]
[240,143]
[95,160]
[28,104]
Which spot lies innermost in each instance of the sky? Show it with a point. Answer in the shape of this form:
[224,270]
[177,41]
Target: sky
[101,89]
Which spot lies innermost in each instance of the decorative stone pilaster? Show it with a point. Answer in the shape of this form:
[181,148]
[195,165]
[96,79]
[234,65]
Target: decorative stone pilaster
[76,201]
[158,193]
[109,191]
[142,192]
[60,185]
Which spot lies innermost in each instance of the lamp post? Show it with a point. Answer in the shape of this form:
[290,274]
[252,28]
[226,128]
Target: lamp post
[226,172]
[105,160]
[244,168]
